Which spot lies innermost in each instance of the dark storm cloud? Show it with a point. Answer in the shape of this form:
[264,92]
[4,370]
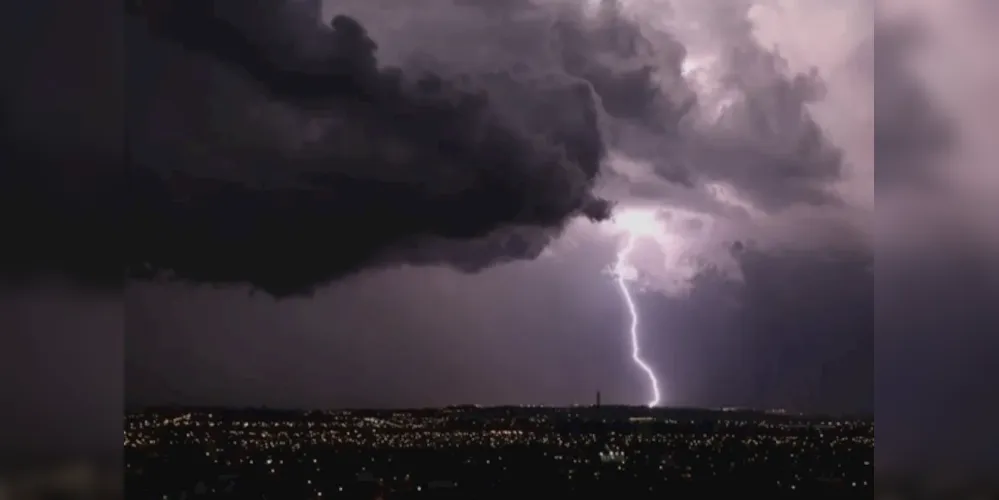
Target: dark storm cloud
[268,150]
[405,160]
[408,163]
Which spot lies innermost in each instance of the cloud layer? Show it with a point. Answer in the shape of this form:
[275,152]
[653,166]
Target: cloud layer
[400,160]
[267,149]
[496,140]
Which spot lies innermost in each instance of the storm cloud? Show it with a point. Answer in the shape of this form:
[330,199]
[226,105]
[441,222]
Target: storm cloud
[286,155]
[399,161]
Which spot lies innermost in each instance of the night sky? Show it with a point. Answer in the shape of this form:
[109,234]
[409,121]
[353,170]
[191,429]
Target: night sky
[415,206]
[439,233]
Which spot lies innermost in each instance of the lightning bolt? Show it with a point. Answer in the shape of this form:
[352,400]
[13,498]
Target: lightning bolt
[636,349]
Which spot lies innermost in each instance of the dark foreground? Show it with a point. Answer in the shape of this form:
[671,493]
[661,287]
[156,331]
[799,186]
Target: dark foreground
[503,453]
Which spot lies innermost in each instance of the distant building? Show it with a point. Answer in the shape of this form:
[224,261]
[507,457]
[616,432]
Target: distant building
[612,456]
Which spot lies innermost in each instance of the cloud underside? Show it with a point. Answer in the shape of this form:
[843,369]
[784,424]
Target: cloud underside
[267,149]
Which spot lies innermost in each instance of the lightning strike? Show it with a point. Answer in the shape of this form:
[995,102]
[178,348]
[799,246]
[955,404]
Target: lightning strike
[636,350]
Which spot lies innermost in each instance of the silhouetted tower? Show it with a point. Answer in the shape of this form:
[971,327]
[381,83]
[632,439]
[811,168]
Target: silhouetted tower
[598,399]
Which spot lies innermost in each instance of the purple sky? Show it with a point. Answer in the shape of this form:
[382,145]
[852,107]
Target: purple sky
[706,126]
